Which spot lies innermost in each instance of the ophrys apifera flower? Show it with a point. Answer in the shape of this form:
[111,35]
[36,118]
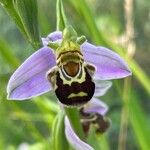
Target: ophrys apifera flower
[68,65]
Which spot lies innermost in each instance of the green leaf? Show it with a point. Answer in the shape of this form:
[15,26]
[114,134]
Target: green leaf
[140,75]
[27,11]
[139,123]
[8,5]
[24,13]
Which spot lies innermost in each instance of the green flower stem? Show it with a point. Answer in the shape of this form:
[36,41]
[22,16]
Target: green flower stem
[74,118]
[72,113]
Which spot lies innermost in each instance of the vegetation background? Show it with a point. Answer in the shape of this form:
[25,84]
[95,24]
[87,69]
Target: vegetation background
[122,25]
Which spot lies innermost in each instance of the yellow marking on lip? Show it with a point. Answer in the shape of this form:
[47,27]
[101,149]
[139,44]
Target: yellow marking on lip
[80,94]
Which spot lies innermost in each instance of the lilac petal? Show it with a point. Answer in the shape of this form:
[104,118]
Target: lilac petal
[73,139]
[45,41]
[29,79]
[101,87]
[96,106]
[53,37]
[108,63]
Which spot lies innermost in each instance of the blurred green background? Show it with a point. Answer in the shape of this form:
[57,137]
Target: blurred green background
[28,123]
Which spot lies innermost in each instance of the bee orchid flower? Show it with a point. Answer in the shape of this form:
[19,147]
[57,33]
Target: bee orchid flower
[68,65]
